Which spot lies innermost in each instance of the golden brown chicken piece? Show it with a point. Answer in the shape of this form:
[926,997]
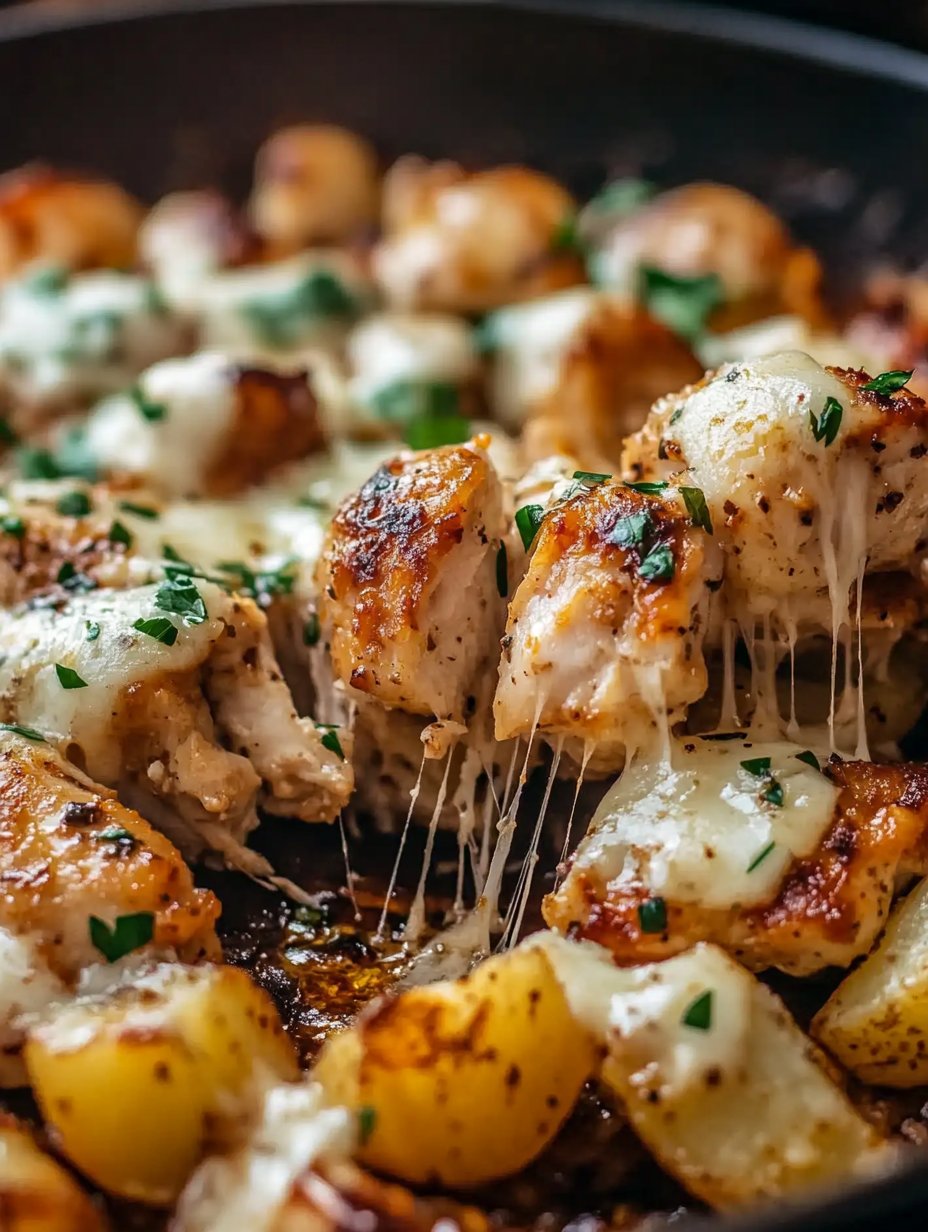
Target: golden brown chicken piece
[778,863]
[713,229]
[466,242]
[68,221]
[604,638]
[616,366]
[314,184]
[409,603]
[36,1193]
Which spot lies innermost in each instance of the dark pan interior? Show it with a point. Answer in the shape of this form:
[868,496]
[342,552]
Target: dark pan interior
[829,129]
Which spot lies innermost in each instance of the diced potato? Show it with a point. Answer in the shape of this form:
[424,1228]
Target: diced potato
[717,1080]
[463,1081]
[134,1083]
[876,1020]
[36,1193]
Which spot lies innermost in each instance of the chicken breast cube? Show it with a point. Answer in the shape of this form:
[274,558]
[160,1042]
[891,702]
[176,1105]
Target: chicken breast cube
[409,602]
[809,477]
[177,699]
[36,1193]
[603,643]
[456,241]
[749,845]
[206,426]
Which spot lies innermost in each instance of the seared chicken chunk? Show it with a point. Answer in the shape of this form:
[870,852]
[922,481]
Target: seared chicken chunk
[618,362]
[36,1193]
[314,184]
[809,478]
[66,341]
[409,603]
[604,639]
[749,845]
[72,222]
[173,694]
[701,230]
[206,426]
[464,242]
[190,235]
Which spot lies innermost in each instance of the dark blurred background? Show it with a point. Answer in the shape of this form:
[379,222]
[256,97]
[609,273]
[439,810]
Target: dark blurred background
[899,21]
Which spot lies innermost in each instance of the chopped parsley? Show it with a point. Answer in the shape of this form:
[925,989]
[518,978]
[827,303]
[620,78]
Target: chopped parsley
[120,534]
[123,838]
[773,794]
[8,435]
[760,857]
[566,237]
[528,520]
[622,196]
[68,677]
[367,1119]
[311,631]
[810,759]
[129,932]
[652,915]
[889,382]
[683,304]
[28,733]
[591,478]
[71,459]
[140,511]
[74,505]
[698,1014]
[648,487]
[13,525]
[154,412]
[71,579]
[404,400]
[35,463]
[502,571]
[49,280]
[330,739]
[178,595]
[159,628]
[632,530]
[262,585]
[825,426]
[91,630]
[430,431]
[280,320]
[758,766]
[658,565]
[696,507]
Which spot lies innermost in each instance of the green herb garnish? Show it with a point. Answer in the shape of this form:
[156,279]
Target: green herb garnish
[826,426]
[591,478]
[178,595]
[810,759]
[154,412]
[658,565]
[622,196]
[35,463]
[330,739]
[696,507]
[119,835]
[281,320]
[566,237]
[698,1013]
[632,530]
[263,585]
[13,525]
[773,794]
[528,520]
[311,631]
[652,916]
[502,571]
[7,434]
[889,382]
[140,511]
[159,628]
[404,400]
[68,677]
[683,304]
[758,766]
[648,487]
[74,505]
[120,534]
[760,857]
[91,630]
[49,280]
[28,733]
[129,932]
[431,431]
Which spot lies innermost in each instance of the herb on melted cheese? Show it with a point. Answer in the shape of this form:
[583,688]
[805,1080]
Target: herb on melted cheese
[658,565]
[632,530]
[280,320]
[91,630]
[825,427]
[153,412]
[367,1119]
[125,841]
[49,280]
[528,520]
[761,857]
[652,916]
[698,1013]
[13,525]
[178,595]
[404,400]
[591,479]
[28,733]
[809,758]
[696,507]
[622,196]
[8,435]
[889,382]
[68,677]
[262,585]
[140,511]
[647,487]
[758,766]
[129,932]
[159,628]
[432,431]
[330,739]
[120,534]
[71,579]
[74,505]
[683,304]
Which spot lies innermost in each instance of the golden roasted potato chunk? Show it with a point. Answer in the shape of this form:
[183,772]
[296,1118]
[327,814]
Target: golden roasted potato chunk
[36,1193]
[461,1082]
[876,1020]
[134,1083]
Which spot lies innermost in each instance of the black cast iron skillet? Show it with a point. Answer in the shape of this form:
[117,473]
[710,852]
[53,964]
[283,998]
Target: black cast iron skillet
[830,129]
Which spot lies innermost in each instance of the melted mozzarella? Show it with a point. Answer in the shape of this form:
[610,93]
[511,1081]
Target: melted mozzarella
[27,985]
[395,346]
[197,402]
[691,829]
[782,333]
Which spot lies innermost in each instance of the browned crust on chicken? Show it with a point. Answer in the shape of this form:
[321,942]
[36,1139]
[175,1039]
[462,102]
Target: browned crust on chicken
[621,361]
[55,858]
[65,219]
[900,409]
[276,420]
[31,563]
[829,907]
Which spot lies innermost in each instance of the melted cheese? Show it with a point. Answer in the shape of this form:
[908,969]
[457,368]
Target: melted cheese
[26,986]
[782,333]
[394,346]
[691,829]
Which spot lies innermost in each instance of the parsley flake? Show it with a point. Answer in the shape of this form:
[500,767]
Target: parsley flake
[658,565]
[281,320]
[758,766]
[696,507]
[129,932]
[91,630]
[826,426]
[68,677]
[683,304]
[431,431]
[773,794]
[528,520]
[159,628]
[648,487]
[632,530]
[889,382]
[140,511]
[311,630]
[13,525]
[622,196]
[810,759]
[154,412]
[330,740]
[367,1119]
[760,857]
[590,479]
[28,733]
[405,400]
[179,596]
[74,505]
[120,534]
[652,916]
[698,1013]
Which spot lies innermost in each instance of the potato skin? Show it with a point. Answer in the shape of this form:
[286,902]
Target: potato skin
[466,1081]
[36,1193]
[174,1055]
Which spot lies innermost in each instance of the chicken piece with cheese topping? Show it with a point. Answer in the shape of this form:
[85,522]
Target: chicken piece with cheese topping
[71,852]
[206,426]
[314,184]
[603,644]
[465,242]
[70,221]
[172,694]
[702,231]
[748,844]
[809,477]
[409,602]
